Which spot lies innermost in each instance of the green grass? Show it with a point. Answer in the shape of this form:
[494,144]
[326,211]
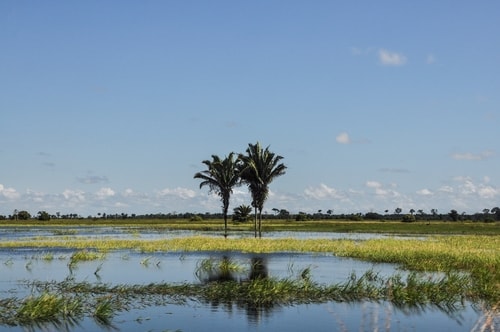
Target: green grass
[478,255]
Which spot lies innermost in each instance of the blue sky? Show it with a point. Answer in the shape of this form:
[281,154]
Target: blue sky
[111,106]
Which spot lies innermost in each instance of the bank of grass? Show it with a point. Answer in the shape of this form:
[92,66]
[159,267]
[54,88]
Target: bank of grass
[215,225]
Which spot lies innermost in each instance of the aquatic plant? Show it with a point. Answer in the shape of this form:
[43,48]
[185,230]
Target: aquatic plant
[86,255]
[48,307]
[71,300]
[212,269]
[104,310]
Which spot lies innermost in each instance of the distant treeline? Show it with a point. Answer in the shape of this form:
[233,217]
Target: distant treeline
[486,215]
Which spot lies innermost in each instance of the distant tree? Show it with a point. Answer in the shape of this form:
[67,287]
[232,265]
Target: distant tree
[412,211]
[221,176]
[284,214]
[23,215]
[453,215]
[496,212]
[242,213]
[372,216]
[302,216]
[408,218]
[43,216]
[258,168]
[398,210]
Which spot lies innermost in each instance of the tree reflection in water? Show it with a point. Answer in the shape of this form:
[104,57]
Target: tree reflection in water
[226,269]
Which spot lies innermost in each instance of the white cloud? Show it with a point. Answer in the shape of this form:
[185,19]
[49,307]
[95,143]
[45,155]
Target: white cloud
[343,138]
[104,193]
[424,192]
[473,156]
[487,192]
[446,189]
[128,192]
[430,59]
[373,184]
[380,191]
[388,58]
[322,192]
[74,195]
[179,192]
[9,193]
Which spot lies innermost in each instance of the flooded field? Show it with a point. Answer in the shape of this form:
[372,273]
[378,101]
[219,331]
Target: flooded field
[22,268]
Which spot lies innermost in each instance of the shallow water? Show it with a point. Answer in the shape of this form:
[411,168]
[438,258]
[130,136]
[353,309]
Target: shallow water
[18,266]
[20,233]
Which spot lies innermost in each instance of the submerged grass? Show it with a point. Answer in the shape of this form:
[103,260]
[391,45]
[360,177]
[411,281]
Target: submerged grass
[86,255]
[46,307]
[102,302]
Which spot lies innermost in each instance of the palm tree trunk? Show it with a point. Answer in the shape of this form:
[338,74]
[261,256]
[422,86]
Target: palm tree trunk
[255,222]
[260,223]
[225,225]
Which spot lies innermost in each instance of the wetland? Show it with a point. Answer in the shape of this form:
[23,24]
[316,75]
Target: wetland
[156,278]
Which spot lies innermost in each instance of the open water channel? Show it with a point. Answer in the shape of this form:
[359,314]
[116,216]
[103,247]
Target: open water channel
[18,267]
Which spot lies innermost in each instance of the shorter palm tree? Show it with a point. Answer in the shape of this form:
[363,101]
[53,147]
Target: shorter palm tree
[242,212]
[221,176]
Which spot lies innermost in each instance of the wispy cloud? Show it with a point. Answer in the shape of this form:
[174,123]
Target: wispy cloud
[9,193]
[179,192]
[424,192]
[343,138]
[93,179]
[322,192]
[388,58]
[473,156]
[430,59]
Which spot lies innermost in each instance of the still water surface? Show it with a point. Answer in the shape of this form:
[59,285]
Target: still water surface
[130,267]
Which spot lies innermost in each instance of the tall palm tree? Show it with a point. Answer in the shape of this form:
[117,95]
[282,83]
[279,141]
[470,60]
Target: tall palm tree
[258,168]
[220,176]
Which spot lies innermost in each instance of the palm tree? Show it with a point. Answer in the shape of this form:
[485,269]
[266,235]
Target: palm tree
[258,168]
[242,212]
[220,176]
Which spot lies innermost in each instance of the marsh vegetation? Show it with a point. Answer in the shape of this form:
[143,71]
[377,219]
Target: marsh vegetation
[84,279]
